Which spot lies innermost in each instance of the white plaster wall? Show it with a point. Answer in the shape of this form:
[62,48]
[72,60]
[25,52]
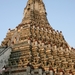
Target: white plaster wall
[4,57]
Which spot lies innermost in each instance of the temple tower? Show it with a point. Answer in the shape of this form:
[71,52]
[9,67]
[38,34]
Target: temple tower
[36,47]
[34,10]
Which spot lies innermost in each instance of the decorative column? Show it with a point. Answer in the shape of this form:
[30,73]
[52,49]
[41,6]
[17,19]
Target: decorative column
[33,27]
[36,43]
[43,44]
[51,71]
[29,41]
[61,72]
[71,65]
[70,72]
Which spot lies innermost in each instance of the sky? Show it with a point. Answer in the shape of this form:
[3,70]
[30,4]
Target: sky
[60,14]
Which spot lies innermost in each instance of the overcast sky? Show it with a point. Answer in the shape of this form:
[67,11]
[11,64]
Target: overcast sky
[60,14]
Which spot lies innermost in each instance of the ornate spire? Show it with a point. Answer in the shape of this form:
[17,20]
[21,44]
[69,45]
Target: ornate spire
[35,10]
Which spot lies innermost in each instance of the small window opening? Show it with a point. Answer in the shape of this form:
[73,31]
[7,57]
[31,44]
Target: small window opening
[28,9]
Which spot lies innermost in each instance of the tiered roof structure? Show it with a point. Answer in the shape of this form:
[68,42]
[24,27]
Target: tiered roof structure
[36,45]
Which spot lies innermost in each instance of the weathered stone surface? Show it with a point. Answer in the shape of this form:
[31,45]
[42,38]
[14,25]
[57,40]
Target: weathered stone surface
[38,49]
[4,56]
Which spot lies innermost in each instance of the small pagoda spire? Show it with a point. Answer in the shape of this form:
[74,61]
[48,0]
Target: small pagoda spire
[33,9]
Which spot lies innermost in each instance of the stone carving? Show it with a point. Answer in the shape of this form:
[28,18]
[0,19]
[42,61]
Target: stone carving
[37,44]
